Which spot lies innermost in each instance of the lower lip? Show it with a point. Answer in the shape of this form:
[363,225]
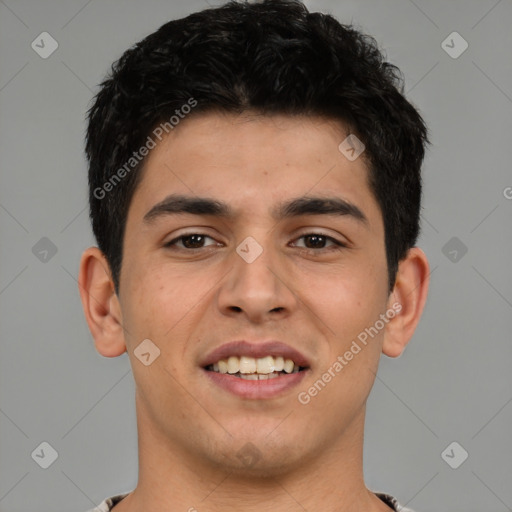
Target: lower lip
[256,389]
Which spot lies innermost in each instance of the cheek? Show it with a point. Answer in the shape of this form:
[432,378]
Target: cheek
[142,291]
[349,298]
[163,301]
[349,304]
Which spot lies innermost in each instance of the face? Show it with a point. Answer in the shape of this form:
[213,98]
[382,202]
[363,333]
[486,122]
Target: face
[300,283]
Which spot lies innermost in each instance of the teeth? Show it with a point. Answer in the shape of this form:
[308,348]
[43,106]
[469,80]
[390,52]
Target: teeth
[265,365]
[254,369]
[233,364]
[251,376]
[288,365]
[247,365]
[223,366]
[255,376]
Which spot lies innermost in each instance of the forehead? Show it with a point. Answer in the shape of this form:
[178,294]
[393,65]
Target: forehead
[252,162]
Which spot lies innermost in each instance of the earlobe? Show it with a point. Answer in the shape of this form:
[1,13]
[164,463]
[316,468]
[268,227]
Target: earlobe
[410,292]
[101,304]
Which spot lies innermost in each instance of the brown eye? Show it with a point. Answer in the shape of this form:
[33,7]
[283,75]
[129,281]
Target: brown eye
[189,241]
[316,242]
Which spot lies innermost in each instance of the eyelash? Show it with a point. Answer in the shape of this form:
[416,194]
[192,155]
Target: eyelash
[338,245]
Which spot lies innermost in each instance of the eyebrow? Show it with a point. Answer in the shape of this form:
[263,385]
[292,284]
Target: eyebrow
[175,204]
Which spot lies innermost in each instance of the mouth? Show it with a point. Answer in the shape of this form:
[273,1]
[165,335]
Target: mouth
[256,371]
[250,368]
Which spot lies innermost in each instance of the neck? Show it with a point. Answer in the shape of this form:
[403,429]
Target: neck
[170,479]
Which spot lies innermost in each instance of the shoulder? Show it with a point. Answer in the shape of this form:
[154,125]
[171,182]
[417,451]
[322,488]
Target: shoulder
[108,503]
[392,502]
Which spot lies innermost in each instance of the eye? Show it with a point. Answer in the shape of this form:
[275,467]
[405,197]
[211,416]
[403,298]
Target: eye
[319,239]
[189,241]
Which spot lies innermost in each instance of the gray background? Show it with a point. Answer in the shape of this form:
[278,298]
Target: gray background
[451,384]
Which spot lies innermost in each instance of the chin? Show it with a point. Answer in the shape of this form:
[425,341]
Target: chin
[267,466]
[258,457]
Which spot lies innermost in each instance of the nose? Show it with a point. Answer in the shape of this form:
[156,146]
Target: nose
[258,285]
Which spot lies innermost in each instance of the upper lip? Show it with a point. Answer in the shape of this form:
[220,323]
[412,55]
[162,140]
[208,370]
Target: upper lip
[256,350]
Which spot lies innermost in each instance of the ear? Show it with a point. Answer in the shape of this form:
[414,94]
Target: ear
[407,300]
[101,304]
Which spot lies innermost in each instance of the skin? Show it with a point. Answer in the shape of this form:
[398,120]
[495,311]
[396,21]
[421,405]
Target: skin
[189,430]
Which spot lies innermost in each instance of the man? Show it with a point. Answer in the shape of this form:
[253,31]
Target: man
[255,193]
